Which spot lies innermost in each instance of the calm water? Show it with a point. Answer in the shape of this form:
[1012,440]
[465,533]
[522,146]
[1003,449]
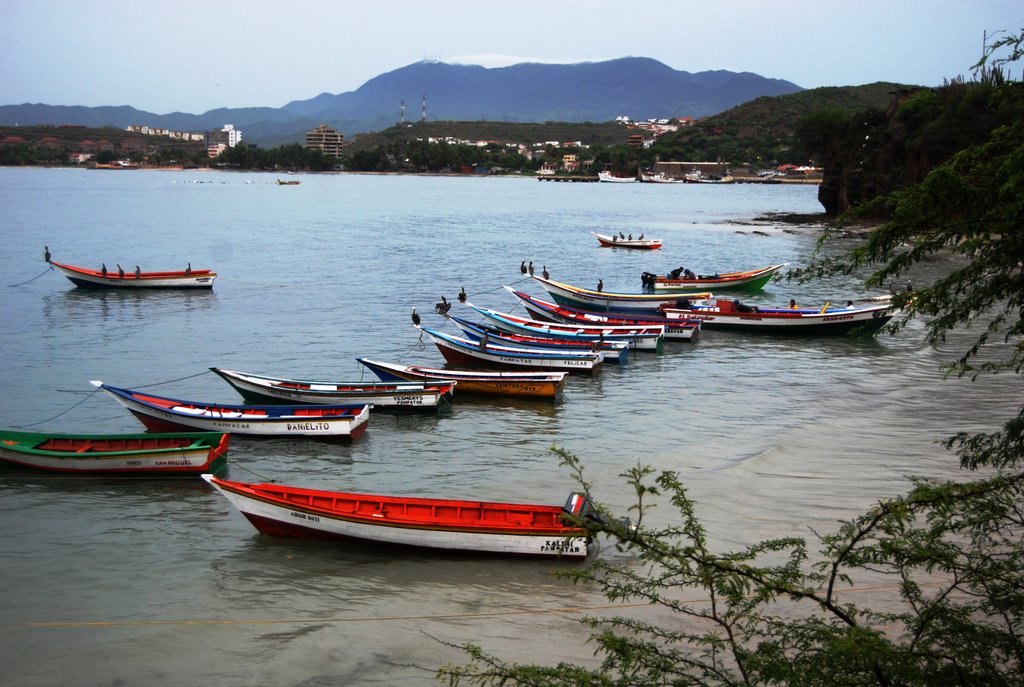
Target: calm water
[139,582]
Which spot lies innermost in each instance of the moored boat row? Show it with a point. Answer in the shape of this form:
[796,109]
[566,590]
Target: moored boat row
[504,354]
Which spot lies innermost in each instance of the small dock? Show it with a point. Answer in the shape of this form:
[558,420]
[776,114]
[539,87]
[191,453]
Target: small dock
[566,177]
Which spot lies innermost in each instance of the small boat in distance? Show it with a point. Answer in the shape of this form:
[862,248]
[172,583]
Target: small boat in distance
[611,178]
[426,523]
[106,455]
[288,182]
[118,279]
[161,414]
[547,385]
[614,241]
[404,395]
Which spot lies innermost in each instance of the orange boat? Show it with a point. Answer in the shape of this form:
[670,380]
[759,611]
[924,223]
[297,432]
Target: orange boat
[441,524]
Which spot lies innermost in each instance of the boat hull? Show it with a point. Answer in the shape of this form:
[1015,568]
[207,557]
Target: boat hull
[648,304]
[675,330]
[614,351]
[459,351]
[438,524]
[106,455]
[649,337]
[801,322]
[638,244]
[163,414]
[405,395]
[546,385]
[752,280]
[92,279]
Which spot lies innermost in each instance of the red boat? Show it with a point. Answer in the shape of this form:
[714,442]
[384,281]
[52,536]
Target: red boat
[443,524]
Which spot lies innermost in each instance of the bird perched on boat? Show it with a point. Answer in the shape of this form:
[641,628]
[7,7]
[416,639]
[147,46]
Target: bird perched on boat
[188,270]
[530,268]
[522,267]
[46,253]
[600,284]
[443,307]
[415,317]
[462,295]
[544,272]
[120,271]
[103,268]
[138,272]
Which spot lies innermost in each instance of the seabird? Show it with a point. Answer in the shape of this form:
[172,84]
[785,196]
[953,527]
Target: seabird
[415,317]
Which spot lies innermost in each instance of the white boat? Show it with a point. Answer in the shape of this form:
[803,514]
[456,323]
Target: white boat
[458,350]
[614,241]
[609,177]
[731,315]
[646,337]
[390,395]
[163,414]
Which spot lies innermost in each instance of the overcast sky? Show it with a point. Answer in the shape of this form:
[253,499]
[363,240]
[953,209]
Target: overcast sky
[198,55]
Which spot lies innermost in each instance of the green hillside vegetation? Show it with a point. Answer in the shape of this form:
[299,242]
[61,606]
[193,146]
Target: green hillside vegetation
[54,145]
[764,131]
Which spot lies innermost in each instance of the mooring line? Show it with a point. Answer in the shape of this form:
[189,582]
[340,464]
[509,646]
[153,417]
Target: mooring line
[64,412]
[48,269]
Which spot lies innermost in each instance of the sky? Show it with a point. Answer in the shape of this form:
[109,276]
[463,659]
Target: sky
[192,56]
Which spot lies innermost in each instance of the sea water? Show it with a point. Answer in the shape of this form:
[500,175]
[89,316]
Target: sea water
[120,582]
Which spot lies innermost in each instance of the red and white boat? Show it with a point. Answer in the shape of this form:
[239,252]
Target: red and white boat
[649,337]
[458,350]
[426,523]
[675,330]
[614,241]
[163,414]
[732,315]
[100,279]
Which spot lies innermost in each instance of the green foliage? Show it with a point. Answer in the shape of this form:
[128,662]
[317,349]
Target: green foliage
[291,157]
[770,616]
[765,131]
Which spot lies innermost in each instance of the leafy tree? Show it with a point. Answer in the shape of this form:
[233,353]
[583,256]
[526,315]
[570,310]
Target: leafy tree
[954,550]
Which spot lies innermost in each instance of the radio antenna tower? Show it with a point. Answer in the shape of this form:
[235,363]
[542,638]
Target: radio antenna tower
[402,109]
[423,115]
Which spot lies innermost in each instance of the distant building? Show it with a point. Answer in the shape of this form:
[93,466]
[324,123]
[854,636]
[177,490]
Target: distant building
[326,140]
[219,141]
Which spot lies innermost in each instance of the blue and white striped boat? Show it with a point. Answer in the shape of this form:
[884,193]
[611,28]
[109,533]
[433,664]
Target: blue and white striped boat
[461,351]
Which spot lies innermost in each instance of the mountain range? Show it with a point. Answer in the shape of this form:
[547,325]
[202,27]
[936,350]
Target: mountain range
[637,87]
